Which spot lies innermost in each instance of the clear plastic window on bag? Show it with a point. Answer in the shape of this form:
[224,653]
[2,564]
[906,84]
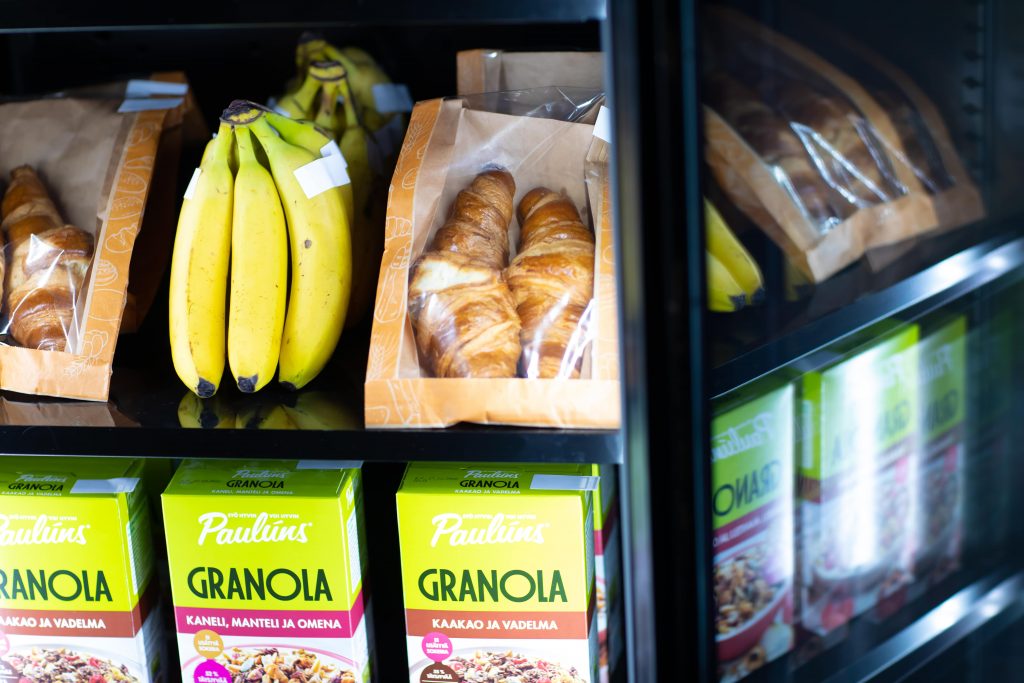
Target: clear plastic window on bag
[46,260]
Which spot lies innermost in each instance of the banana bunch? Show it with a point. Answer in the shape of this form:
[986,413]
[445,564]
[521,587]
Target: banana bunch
[335,88]
[245,213]
[362,70]
[734,279]
[307,410]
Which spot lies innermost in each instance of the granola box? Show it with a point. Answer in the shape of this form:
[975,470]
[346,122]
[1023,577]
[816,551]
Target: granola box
[266,567]
[939,475]
[498,572]
[608,563]
[859,419]
[752,449]
[76,593]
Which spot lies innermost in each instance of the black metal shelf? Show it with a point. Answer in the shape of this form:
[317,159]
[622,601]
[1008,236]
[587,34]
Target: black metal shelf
[64,16]
[895,648]
[936,272]
[141,419]
[469,445]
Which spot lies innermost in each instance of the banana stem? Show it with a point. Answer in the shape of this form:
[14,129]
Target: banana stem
[351,115]
[242,113]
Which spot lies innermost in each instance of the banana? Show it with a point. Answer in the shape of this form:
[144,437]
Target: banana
[299,104]
[724,294]
[367,244]
[724,245]
[259,272]
[306,135]
[321,410]
[264,416]
[363,74]
[199,413]
[319,239]
[330,74]
[199,271]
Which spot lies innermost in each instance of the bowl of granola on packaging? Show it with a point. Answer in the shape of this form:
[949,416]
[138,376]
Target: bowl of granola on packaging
[43,664]
[749,593]
[525,665]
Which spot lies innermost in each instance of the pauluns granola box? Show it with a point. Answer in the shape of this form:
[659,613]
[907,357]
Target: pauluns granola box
[75,567]
[752,450]
[939,473]
[498,572]
[608,563]
[859,419]
[266,569]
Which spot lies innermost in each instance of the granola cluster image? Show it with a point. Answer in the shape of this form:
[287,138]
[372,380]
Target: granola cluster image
[270,664]
[741,591]
[44,665]
[510,667]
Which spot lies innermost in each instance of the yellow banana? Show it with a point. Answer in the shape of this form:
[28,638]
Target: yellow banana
[264,416]
[724,294]
[724,245]
[210,413]
[259,272]
[363,76]
[306,135]
[330,75]
[319,238]
[367,233]
[299,104]
[321,410]
[199,271]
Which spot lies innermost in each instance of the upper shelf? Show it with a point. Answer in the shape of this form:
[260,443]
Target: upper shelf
[75,16]
[936,271]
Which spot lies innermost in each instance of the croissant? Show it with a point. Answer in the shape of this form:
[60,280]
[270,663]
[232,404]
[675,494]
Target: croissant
[773,139]
[46,264]
[464,318]
[552,281]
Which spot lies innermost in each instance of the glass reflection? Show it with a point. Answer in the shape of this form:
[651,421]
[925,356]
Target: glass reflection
[856,491]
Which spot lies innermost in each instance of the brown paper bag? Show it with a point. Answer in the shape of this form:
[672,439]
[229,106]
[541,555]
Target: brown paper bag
[482,71]
[445,147]
[98,165]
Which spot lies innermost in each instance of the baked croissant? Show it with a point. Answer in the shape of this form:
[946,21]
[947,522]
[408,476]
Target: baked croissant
[552,281]
[46,264]
[464,318]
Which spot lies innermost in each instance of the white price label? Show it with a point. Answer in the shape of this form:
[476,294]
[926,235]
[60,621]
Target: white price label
[150,104]
[142,88]
[391,98]
[603,125]
[320,175]
[563,482]
[116,485]
[191,189]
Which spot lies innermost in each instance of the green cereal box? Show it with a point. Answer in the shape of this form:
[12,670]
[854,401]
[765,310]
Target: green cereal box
[75,567]
[752,450]
[859,417]
[608,563]
[498,572]
[266,571]
[939,470]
